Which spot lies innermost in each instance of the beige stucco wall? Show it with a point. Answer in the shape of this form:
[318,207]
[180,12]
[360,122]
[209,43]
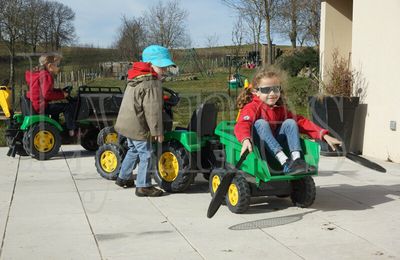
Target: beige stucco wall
[336,31]
[376,54]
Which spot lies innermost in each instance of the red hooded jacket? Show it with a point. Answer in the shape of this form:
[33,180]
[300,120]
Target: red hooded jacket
[41,89]
[275,116]
[141,69]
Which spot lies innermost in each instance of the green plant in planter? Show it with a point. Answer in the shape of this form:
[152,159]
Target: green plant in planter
[340,77]
[334,108]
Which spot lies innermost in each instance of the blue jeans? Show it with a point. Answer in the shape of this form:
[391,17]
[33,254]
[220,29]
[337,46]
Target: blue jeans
[287,134]
[137,150]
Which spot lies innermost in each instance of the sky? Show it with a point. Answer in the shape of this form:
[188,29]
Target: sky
[97,22]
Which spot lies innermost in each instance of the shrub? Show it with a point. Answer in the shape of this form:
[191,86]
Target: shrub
[296,60]
[340,77]
[299,89]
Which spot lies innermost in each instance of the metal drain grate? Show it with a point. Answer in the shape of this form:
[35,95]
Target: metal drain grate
[266,223]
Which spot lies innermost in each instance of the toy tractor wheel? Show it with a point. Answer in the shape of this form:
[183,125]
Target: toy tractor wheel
[238,195]
[107,135]
[89,139]
[214,181]
[109,159]
[42,141]
[303,192]
[172,168]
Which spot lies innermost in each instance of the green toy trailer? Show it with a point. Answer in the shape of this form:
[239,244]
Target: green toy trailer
[259,176]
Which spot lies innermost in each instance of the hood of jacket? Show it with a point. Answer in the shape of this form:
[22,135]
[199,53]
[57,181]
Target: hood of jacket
[141,69]
[31,76]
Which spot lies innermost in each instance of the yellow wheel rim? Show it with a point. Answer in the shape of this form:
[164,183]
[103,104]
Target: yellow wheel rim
[108,161]
[168,166]
[44,141]
[111,138]
[215,182]
[233,194]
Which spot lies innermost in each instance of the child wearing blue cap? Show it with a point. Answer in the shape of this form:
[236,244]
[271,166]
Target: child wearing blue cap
[140,118]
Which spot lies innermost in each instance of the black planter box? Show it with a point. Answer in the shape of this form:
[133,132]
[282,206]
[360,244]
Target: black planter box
[337,115]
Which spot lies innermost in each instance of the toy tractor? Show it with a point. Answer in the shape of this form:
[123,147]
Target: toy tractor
[184,153]
[261,175]
[41,136]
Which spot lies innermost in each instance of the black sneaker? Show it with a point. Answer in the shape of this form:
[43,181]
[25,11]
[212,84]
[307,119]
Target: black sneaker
[125,183]
[148,192]
[298,166]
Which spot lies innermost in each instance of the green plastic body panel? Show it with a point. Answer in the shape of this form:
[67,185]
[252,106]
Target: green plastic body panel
[188,139]
[34,119]
[19,118]
[254,164]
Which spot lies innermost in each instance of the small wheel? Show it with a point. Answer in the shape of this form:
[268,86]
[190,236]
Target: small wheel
[303,192]
[239,194]
[172,168]
[42,141]
[108,160]
[107,135]
[214,181]
[89,139]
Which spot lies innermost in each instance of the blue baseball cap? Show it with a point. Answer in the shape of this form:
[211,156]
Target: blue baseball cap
[158,56]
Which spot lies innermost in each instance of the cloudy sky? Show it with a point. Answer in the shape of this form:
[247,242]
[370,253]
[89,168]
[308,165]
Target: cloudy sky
[97,22]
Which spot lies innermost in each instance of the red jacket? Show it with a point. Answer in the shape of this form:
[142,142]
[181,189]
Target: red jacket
[41,89]
[275,116]
[141,69]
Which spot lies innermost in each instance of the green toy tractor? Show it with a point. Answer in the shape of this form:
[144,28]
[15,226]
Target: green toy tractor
[41,136]
[185,152]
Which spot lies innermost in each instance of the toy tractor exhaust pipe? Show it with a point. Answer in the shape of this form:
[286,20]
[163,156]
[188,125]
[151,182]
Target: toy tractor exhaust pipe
[224,186]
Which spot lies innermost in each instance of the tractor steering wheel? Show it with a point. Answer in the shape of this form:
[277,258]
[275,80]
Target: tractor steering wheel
[171,98]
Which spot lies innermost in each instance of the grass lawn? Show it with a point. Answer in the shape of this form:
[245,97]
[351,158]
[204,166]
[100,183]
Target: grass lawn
[195,92]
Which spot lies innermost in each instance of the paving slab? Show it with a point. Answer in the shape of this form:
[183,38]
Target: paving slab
[62,209]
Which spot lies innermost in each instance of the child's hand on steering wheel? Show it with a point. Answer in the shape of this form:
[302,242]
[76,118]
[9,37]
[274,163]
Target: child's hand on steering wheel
[246,145]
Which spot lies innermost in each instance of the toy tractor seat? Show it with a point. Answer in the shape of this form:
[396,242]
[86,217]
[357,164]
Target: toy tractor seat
[203,120]
[26,106]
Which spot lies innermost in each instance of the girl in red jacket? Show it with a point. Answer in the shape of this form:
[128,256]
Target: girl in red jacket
[265,120]
[41,91]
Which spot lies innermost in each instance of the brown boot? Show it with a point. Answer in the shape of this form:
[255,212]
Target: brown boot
[148,192]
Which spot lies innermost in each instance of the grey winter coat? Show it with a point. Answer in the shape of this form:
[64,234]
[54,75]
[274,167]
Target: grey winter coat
[140,114]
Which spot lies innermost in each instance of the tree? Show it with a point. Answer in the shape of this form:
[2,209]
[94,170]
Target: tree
[131,39]
[289,19]
[63,31]
[313,13]
[33,18]
[165,25]
[265,10]
[237,36]
[10,28]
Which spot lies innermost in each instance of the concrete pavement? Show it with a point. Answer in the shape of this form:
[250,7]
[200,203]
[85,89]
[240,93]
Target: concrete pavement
[62,209]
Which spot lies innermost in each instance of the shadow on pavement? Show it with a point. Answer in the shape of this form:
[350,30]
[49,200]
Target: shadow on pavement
[349,197]
[269,222]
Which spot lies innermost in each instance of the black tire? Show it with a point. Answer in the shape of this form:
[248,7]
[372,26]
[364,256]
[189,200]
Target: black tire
[215,178]
[108,160]
[42,147]
[89,139]
[107,135]
[238,195]
[303,192]
[170,178]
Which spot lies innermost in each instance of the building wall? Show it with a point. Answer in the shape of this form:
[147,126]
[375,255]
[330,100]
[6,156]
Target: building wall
[376,55]
[336,32]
